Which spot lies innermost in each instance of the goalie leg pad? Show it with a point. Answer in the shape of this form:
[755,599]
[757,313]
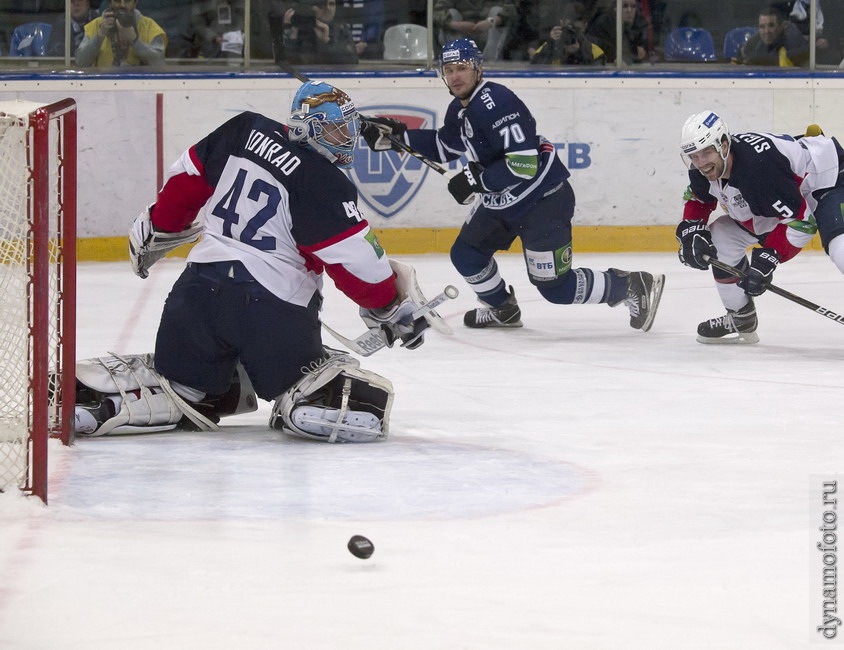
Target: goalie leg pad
[144,400]
[336,401]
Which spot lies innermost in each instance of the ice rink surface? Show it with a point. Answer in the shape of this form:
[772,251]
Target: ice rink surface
[573,484]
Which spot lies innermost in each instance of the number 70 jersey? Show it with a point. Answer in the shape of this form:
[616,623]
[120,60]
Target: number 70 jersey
[280,208]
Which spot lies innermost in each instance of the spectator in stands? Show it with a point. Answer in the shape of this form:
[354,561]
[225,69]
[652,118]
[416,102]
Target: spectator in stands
[634,32]
[218,27]
[310,35]
[567,43]
[366,20]
[778,43]
[81,13]
[827,50]
[487,22]
[122,36]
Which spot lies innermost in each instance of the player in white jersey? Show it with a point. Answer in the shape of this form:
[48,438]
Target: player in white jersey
[777,191]
[519,188]
[275,211]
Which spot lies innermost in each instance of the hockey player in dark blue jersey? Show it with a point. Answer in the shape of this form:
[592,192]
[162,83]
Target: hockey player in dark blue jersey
[275,214]
[519,188]
[777,191]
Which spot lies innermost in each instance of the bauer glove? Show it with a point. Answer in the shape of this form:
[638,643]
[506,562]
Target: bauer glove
[695,243]
[377,131]
[466,183]
[396,322]
[763,262]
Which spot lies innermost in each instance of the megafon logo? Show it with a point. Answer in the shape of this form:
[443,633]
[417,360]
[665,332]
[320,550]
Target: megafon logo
[388,180]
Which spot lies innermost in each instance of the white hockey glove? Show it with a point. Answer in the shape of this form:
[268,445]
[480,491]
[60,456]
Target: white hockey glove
[147,245]
[396,322]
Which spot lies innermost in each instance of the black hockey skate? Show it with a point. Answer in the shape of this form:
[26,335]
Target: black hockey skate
[733,327]
[100,412]
[644,291]
[507,314]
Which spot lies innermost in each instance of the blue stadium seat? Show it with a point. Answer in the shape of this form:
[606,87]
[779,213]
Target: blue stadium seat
[30,39]
[735,40]
[689,44]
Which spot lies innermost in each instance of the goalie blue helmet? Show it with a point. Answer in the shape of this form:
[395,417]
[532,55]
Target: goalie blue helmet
[463,50]
[325,118]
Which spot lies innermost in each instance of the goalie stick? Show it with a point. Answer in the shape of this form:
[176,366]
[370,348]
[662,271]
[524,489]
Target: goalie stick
[823,311]
[373,339]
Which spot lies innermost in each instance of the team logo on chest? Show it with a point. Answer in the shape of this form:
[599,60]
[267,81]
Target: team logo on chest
[387,181]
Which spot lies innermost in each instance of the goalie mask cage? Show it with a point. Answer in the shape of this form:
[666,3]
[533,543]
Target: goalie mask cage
[37,287]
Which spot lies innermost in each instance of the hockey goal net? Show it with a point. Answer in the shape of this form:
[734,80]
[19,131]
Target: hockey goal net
[37,287]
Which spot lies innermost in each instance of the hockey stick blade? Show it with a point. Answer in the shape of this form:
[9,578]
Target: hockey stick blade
[823,311]
[373,339]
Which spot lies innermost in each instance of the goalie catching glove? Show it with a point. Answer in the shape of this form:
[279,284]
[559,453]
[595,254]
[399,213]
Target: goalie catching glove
[396,322]
[377,131]
[148,245]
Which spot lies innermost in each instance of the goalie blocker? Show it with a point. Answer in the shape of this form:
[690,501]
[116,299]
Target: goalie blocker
[335,401]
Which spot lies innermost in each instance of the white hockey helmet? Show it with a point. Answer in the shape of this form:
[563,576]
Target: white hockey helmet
[700,131]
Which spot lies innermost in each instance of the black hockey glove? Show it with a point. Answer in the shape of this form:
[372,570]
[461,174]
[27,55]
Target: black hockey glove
[466,183]
[695,242]
[763,262]
[376,132]
[396,322]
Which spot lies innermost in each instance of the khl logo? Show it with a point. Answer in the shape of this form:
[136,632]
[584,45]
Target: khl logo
[388,181]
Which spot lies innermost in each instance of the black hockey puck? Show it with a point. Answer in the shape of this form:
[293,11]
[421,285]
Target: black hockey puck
[361,547]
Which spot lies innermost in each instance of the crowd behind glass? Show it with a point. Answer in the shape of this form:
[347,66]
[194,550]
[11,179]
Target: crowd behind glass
[386,34]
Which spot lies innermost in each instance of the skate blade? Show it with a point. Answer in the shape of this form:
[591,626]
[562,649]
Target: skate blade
[656,296]
[744,338]
[496,326]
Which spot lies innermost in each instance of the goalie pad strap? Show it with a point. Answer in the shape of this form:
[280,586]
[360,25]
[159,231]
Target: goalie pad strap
[346,397]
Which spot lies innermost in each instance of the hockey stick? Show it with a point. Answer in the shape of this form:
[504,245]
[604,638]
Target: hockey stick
[410,150]
[823,311]
[374,339]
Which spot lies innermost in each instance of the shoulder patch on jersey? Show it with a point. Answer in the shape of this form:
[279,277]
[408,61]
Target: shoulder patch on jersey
[372,238]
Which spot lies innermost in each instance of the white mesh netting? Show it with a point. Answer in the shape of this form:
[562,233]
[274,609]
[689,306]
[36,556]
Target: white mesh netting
[16,288]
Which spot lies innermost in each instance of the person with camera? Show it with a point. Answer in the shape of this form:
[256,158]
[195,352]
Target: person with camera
[634,32]
[567,43]
[122,36]
[310,35]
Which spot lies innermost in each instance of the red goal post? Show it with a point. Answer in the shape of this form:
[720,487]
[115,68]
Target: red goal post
[37,287]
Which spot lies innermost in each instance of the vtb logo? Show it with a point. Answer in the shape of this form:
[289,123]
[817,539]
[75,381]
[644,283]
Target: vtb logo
[388,180]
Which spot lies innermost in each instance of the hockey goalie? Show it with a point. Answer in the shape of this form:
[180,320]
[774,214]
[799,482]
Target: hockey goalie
[275,214]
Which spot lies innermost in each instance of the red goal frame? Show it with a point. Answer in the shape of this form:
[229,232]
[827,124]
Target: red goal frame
[52,390]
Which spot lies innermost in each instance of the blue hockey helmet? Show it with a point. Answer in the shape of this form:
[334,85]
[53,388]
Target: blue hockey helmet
[463,50]
[325,118]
